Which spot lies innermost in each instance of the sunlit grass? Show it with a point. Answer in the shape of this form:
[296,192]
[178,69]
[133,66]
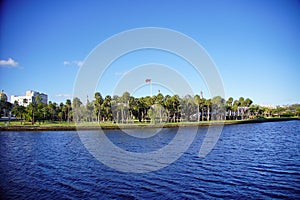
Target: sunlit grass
[132,124]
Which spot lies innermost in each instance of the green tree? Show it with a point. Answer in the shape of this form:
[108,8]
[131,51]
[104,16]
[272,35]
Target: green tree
[187,107]
[124,104]
[133,107]
[175,106]
[197,100]
[106,107]
[148,102]
[208,108]
[236,105]
[89,109]
[69,107]
[254,111]
[159,101]
[52,108]
[218,106]
[168,104]
[242,101]
[45,112]
[248,102]
[18,111]
[5,107]
[76,108]
[229,107]
[62,111]
[279,111]
[142,109]
[98,104]
[297,111]
[34,109]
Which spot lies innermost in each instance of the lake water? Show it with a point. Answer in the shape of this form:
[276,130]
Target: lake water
[249,161]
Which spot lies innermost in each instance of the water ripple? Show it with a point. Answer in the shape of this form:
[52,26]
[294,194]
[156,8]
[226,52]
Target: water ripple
[250,161]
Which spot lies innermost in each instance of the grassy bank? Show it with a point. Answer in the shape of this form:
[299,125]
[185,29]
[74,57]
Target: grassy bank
[64,126]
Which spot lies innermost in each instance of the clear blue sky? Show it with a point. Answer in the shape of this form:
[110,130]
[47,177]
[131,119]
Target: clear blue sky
[255,44]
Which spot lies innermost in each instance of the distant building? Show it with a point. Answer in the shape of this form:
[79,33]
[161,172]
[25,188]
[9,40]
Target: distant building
[29,98]
[268,106]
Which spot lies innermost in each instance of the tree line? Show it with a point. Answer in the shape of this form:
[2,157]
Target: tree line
[149,109]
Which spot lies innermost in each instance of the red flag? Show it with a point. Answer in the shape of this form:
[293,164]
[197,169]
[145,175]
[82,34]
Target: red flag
[148,80]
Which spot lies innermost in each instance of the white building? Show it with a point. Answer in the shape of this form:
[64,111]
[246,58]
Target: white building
[29,98]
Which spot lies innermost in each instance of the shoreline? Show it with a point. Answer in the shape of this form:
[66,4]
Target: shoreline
[141,126]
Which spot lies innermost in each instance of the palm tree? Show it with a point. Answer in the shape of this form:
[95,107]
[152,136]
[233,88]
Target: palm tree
[168,106]
[33,107]
[18,111]
[248,103]
[197,100]
[125,106]
[202,106]
[236,105]
[159,100]
[52,110]
[141,105]
[242,104]
[175,107]
[107,107]
[45,112]
[254,110]
[133,108]
[148,102]
[229,107]
[25,101]
[208,106]
[76,105]
[69,105]
[98,103]
[63,111]
[89,109]
[187,107]
[119,107]
[30,110]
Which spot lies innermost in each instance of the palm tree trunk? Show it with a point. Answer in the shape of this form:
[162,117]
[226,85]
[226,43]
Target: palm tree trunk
[122,114]
[68,117]
[198,112]
[160,115]
[99,115]
[208,113]
[32,120]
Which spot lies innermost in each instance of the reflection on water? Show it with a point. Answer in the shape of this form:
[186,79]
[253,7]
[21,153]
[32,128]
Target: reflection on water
[256,161]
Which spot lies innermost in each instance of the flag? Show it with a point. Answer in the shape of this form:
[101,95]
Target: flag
[148,80]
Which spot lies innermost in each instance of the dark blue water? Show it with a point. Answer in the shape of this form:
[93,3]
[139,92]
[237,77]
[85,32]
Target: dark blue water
[250,161]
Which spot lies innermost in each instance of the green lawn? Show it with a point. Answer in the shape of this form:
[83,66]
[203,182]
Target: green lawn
[136,123]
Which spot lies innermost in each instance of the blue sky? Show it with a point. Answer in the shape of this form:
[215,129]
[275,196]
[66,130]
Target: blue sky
[254,44]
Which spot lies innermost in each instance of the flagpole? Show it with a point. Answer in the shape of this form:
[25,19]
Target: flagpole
[150,82]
